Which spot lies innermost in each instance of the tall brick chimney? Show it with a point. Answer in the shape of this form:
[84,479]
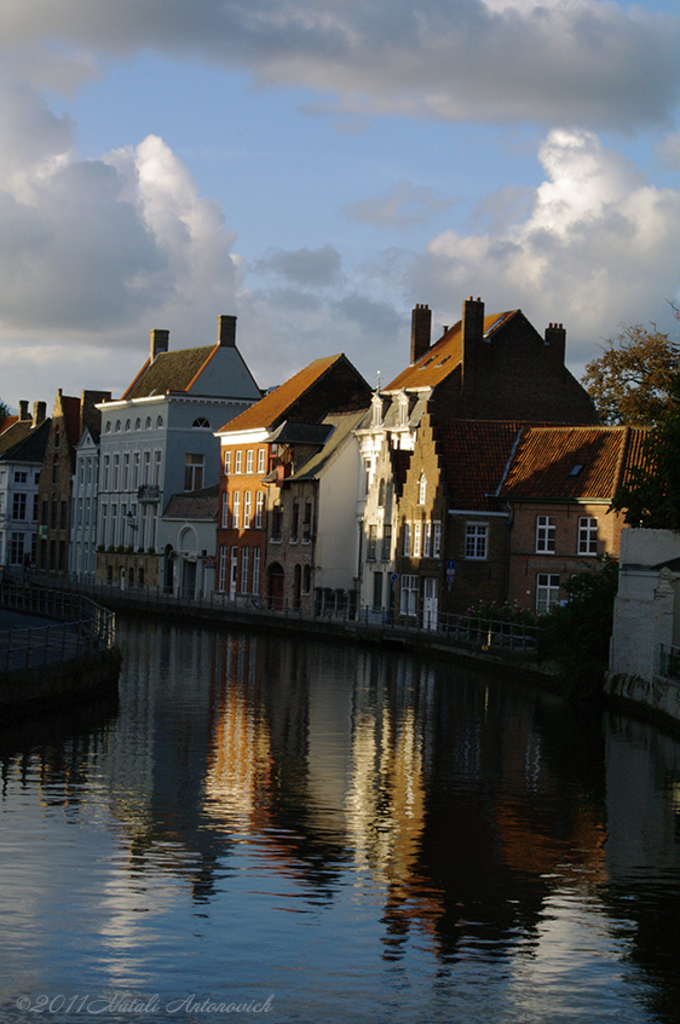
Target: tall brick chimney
[556,343]
[226,331]
[472,337]
[39,412]
[421,326]
[23,410]
[160,342]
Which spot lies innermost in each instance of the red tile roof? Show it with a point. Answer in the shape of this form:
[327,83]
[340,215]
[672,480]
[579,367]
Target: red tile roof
[473,455]
[443,357]
[271,410]
[547,460]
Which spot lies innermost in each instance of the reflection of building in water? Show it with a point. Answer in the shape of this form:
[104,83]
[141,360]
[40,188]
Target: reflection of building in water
[239,767]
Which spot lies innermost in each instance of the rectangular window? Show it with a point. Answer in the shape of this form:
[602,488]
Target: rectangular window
[245,559]
[247,509]
[386,542]
[106,472]
[157,469]
[436,539]
[19,506]
[233,570]
[407,540]
[372,543]
[238,468]
[377,590]
[35,508]
[53,518]
[249,461]
[547,591]
[225,510]
[476,537]
[222,571]
[545,535]
[236,511]
[259,510]
[277,523]
[260,460]
[126,470]
[257,557]
[20,477]
[417,539]
[135,471]
[116,471]
[427,540]
[227,462]
[16,548]
[408,595]
[147,469]
[295,525]
[587,535]
[307,523]
[193,471]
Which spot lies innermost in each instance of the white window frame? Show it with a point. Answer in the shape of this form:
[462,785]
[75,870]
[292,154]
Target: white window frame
[259,509]
[476,542]
[249,460]
[417,539]
[408,593]
[407,540]
[547,591]
[245,566]
[261,456]
[238,462]
[225,510]
[587,535]
[224,562]
[227,462]
[545,535]
[422,489]
[257,560]
[247,509]
[236,511]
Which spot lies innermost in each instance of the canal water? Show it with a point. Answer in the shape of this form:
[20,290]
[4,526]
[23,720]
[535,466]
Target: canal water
[274,829]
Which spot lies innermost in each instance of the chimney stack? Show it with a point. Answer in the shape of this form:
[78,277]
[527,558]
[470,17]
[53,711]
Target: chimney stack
[226,331]
[421,326]
[23,410]
[472,336]
[556,342]
[39,411]
[160,342]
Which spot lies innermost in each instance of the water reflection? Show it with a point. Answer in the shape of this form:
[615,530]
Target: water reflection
[370,836]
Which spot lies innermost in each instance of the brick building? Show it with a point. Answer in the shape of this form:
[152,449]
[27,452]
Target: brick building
[559,486]
[69,418]
[260,451]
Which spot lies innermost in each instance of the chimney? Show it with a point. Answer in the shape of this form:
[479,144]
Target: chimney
[39,411]
[23,410]
[226,331]
[160,342]
[556,341]
[421,325]
[472,336]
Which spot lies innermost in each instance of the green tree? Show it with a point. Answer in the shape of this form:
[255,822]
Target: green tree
[4,410]
[630,382]
[650,498]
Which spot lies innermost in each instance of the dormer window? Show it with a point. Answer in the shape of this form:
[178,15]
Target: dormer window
[576,469]
[376,403]
[403,409]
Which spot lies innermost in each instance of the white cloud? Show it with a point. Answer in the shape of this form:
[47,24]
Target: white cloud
[305,267]
[587,62]
[599,248]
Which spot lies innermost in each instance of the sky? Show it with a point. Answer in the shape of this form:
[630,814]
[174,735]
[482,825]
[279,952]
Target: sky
[318,167]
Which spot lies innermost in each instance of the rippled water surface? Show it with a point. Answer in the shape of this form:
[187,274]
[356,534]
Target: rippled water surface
[264,829]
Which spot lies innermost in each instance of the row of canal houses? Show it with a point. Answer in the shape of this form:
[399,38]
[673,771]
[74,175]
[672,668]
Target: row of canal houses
[478,474]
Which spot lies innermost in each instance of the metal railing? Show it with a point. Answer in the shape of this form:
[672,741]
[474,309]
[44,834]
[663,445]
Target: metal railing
[469,631]
[84,627]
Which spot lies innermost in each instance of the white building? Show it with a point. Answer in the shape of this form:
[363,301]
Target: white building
[187,535]
[158,440]
[22,448]
[82,557]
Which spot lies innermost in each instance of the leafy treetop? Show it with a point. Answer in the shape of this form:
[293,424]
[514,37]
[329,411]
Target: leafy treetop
[630,382]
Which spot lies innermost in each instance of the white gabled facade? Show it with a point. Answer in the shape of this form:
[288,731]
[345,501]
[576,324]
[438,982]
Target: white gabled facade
[82,560]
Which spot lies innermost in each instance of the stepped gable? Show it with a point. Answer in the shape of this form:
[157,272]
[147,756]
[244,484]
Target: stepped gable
[329,384]
[170,371]
[573,463]
[473,456]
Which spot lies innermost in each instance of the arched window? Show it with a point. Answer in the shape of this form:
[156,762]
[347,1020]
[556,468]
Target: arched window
[201,422]
[138,424]
[118,426]
[107,428]
[127,424]
[159,423]
[148,423]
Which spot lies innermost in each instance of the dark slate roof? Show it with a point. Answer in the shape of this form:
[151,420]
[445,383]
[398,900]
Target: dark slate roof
[339,426]
[170,371]
[302,433]
[25,443]
[202,504]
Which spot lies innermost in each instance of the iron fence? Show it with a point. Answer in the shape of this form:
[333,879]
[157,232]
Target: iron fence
[471,631]
[83,627]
